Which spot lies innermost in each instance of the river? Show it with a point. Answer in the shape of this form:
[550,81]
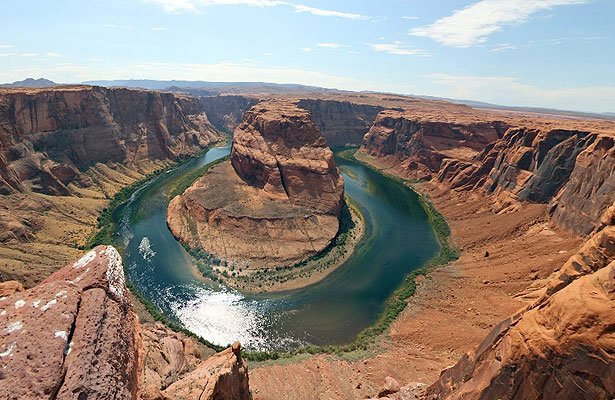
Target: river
[398,239]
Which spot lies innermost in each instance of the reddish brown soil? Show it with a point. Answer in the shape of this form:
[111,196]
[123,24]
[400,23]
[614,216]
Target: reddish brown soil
[453,310]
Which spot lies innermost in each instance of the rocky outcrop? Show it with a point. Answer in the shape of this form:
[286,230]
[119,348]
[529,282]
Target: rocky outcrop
[48,136]
[589,190]
[167,357]
[278,149]
[73,336]
[226,111]
[341,122]
[276,203]
[421,144]
[562,346]
[222,376]
[572,170]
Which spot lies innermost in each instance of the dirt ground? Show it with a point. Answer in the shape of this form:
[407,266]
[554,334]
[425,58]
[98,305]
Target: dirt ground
[454,308]
[60,224]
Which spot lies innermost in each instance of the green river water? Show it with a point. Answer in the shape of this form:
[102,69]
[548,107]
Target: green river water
[398,239]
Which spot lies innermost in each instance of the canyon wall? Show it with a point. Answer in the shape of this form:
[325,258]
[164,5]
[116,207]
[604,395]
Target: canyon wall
[420,144]
[64,151]
[49,136]
[568,168]
[226,111]
[341,122]
[76,335]
[276,202]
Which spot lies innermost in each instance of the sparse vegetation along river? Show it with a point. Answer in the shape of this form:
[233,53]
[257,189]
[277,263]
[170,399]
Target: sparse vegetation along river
[398,239]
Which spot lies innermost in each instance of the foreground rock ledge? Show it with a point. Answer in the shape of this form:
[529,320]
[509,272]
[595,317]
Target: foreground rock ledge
[277,201]
[76,336]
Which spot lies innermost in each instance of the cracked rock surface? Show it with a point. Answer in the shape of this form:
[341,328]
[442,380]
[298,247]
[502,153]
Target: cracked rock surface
[73,336]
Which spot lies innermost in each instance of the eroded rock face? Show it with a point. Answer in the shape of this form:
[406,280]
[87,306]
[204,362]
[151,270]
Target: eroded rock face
[47,135]
[560,347]
[589,190]
[421,144]
[279,149]
[73,336]
[341,122]
[275,203]
[167,357]
[222,376]
[226,111]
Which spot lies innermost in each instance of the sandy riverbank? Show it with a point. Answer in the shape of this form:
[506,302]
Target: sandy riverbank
[305,274]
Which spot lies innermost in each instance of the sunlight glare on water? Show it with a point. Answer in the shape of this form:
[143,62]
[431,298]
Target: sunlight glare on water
[226,316]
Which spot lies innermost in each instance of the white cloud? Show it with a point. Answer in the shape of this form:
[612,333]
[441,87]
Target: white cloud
[194,6]
[307,50]
[327,13]
[7,54]
[330,45]
[53,54]
[6,46]
[503,47]
[398,48]
[511,91]
[473,24]
[410,17]
[159,29]
[29,54]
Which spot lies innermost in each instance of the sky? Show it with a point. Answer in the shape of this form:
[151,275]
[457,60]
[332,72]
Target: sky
[544,53]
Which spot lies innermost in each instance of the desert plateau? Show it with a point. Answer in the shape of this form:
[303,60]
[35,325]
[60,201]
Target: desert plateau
[265,200]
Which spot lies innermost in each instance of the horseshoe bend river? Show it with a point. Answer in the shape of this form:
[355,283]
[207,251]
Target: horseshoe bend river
[398,239]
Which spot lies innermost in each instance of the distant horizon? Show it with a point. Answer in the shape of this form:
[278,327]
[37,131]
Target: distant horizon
[485,104]
[557,54]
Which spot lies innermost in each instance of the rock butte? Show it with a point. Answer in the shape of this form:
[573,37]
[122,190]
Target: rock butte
[276,202]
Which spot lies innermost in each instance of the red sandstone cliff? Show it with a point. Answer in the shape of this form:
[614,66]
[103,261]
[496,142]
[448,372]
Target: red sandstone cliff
[421,143]
[340,122]
[48,135]
[571,169]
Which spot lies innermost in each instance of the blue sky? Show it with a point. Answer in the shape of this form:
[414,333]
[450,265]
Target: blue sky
[552,53]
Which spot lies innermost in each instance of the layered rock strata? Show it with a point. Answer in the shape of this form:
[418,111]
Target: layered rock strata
[341,122]
[421,144]
[76,335]
[49,136]
[275,203]
[570,169]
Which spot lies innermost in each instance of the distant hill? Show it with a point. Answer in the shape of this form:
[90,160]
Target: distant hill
[31,83]
[537,110]
[213,87]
